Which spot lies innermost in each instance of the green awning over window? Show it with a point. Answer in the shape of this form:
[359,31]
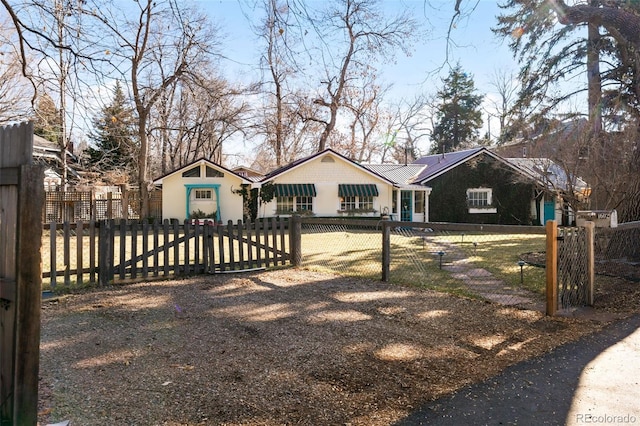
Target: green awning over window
[295,190]
[357,190]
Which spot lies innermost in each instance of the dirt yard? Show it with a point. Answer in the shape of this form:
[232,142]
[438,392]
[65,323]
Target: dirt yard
[270,348]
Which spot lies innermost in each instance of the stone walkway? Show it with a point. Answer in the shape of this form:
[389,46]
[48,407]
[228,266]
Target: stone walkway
[482,283]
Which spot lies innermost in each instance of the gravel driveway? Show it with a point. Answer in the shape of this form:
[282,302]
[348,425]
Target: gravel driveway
[278,347]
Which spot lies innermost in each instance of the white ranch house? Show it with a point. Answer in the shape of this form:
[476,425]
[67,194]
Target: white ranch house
[328,184]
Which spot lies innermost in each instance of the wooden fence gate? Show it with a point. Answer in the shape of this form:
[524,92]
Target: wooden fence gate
[575,266]
[570,266]
[21,201]
[169,248]
[110,250]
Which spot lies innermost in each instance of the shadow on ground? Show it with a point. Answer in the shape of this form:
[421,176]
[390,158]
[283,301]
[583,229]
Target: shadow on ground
[592,380]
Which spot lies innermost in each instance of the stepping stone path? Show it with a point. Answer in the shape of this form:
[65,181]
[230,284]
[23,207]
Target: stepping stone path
[482,283]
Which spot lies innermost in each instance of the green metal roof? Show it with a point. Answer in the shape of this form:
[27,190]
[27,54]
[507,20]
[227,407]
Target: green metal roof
[357,190]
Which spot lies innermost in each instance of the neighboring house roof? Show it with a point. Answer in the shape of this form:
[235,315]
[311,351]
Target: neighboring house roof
[401,174]
[48,152]
[298,163]
[249,173]
[549,174]
[544,139]
[158,180]
[438,164]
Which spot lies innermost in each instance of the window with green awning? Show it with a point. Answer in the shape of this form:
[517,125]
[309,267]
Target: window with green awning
[357,190]
[295,190]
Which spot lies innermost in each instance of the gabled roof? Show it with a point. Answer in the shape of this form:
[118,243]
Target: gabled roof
[401,174]
[541,170]
[158,180]
[438,164]
[300,162]
[549,173]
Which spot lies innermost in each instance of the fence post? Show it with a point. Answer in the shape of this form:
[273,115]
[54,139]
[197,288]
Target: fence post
[295,240]
[21,205]
[105,252]
[124,201]
[109,205]
[29,286]
[552,267]
[386,250]
[590,241]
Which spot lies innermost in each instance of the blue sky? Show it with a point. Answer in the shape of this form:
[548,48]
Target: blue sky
[477,49]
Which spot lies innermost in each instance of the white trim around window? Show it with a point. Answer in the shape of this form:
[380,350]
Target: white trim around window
[203,194]
[480,200]
[294,204]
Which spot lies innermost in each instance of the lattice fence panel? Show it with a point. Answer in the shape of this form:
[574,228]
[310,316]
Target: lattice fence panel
[573,270]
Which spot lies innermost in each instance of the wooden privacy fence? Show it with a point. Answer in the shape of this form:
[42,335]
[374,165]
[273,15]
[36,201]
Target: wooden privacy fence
[21,198]
[569,266]
[105,251]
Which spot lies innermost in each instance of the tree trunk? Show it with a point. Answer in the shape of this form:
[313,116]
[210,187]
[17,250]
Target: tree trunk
[593,77]
[624,27]
[143,166]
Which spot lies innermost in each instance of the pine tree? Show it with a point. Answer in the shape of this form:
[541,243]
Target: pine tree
[47,122]
[458,115]
[113,135]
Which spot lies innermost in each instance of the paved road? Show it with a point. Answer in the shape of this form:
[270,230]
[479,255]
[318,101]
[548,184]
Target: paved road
[595,380]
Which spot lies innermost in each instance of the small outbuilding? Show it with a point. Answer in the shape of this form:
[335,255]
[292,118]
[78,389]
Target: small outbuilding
[202,189]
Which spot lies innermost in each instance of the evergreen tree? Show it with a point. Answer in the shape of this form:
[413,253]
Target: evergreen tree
[458,115]
[610,55]
[113,135]
[47,122]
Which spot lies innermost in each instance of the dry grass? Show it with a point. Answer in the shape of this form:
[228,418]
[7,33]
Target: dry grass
[278,347]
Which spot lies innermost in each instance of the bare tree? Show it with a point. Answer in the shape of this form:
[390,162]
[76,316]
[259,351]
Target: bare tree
[152,44]
[154,47]
[49,44]
[279,64]
[502,107]
[409,122]
[354,34]
[15,91]
[365,104]
[194,117]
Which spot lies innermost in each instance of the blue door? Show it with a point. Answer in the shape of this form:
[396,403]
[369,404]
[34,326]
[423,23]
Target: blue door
[406,206]
[549,211]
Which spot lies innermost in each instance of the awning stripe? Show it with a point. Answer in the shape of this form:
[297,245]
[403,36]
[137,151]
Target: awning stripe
[295,190]
[357,190]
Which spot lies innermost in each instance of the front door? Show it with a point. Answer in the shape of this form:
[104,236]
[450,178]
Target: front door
[549,211]
[406,206]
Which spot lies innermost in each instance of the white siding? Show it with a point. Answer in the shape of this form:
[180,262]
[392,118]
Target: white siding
[174,195]
[326,176]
